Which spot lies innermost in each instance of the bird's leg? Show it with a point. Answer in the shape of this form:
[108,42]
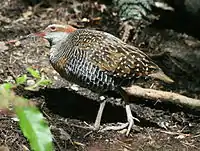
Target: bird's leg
[130,117]
[99,115]
[97,123]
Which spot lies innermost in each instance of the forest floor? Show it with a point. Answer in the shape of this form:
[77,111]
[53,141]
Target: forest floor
[66,109]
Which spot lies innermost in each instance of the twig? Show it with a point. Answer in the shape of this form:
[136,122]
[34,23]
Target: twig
[198,135]
[173,133]
[47,116]
[189,144]
[163,96]
[57,144]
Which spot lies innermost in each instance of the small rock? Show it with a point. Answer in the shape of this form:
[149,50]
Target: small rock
[85,20]
[55,77]
[3,46]
[114,14]
[15,119]
[102,98]
[18,54]
[10,79]
[27,14]
[17,44]
[1,71]
[30,61]
[190,124]
[180,136]
[30,82]
[74,87]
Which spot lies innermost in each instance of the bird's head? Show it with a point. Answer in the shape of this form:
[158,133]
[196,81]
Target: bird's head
[55,33]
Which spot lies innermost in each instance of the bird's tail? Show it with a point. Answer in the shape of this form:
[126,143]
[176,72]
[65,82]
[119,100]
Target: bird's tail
[161,76]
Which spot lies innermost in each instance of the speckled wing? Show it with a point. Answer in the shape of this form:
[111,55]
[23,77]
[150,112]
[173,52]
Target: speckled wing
[114,56]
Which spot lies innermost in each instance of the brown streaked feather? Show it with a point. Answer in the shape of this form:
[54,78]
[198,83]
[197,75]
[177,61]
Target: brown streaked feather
[112,55]
[105,61]
[60,64]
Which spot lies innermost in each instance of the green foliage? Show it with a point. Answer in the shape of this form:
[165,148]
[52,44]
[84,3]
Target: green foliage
[133,9]
[45,82]
[40,80]
[31,120]
[34,128]
[21,80]
[6,86]
[34,73]
[4,95]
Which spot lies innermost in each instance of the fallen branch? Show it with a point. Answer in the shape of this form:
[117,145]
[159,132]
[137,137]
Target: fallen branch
[163,96]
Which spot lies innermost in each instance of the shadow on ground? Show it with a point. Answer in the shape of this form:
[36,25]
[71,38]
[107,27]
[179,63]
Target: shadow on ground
[72,105]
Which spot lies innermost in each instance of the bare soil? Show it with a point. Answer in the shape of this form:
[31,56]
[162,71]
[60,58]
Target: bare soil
[67,110]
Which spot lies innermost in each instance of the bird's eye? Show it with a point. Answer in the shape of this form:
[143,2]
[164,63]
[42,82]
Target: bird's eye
[53,28]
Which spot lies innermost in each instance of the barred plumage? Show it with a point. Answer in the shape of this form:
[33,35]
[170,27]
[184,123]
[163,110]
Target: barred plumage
[98,61]
[88,50]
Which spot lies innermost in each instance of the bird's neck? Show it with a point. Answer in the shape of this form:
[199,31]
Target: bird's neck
[55,51]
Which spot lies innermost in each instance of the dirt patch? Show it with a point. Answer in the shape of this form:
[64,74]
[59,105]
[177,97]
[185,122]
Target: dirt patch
[68,111]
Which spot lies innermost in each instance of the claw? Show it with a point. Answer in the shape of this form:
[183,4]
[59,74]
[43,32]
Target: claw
[96,126]
[122,126]
[115,128]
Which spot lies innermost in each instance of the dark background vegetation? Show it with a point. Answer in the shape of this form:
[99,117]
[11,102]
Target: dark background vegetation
[170,37]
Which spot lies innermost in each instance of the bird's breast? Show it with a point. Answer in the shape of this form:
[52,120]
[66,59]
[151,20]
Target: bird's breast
[85,74]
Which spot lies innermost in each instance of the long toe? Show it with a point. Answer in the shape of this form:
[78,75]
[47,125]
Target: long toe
[130,119]
[91,127]
[121,126]
[129,125]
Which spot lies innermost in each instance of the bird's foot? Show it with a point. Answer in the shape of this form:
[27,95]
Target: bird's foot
[122,126]
[130,119]
[115,127]
[91,128]
[96,125]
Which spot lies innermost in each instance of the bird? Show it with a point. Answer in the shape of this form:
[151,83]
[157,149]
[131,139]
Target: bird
[100,62]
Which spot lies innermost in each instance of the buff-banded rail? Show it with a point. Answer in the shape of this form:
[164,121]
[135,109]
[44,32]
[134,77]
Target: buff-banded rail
[100,62]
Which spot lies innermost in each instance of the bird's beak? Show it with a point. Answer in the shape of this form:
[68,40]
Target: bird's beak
[35,35]
[38,34]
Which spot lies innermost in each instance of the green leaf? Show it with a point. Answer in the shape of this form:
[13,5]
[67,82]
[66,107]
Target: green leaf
[4,95]
[45,82]
[34,127]
[34,73]
[6,86]
[22,79]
